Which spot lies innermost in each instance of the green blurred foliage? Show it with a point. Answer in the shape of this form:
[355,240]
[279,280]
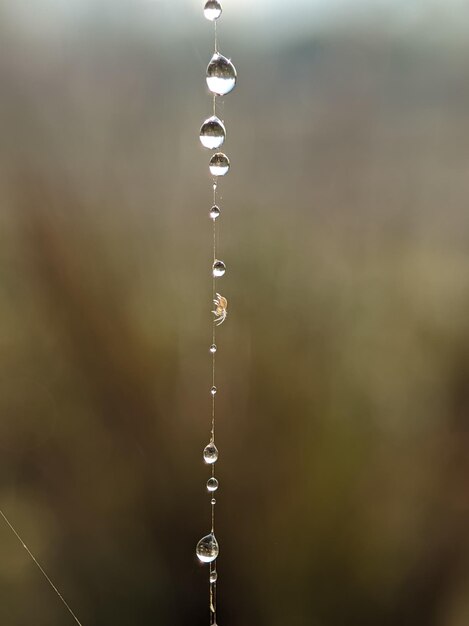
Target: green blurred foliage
[344,363]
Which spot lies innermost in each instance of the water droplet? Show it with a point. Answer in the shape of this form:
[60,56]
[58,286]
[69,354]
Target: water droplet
[219,164]
[207,549]
[210,453]
[218,269]
[213,348]
[213,576]
[213,390]
[213,501]
[212,484]
[221,75]
[214,212]
[212,133]
[212,10]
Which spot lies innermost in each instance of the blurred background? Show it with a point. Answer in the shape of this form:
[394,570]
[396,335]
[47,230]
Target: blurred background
[343,368]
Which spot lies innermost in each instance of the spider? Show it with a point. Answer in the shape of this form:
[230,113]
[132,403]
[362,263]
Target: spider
[220,311]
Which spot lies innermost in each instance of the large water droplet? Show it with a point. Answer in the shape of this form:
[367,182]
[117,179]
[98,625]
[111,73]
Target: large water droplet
[207,548]
[219,164]
[213,576]
[212,484]
[221,75]
[212,133]
[214,212]
[218,269]
[212,10]
[210,453]
[213,348]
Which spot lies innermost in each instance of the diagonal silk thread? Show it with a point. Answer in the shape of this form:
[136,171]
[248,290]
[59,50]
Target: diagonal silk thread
[40,568]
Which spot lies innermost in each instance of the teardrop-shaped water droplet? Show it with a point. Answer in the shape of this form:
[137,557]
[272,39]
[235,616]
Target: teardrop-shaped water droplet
[212,10]
[212,484]
[214,212]
[213,348]
[207,549]
[212,133]
[221,75]
[219,164]
[210,453]
[213,390]
[213,576]
[218,269]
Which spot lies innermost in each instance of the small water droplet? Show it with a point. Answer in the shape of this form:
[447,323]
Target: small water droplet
[212,133]
[219,164]
[213,390]
[213,348]
[221,75]
[212,10]
[214,212]
[207,548]
[213,501]
[213,576]
[218,269]
[212,484]
[210,453]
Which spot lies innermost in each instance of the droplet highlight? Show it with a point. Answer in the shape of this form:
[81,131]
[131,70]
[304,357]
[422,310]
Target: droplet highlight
[212,10]
[213,576]
[213,390]
[210,453]
[213,501]
[212,133]
[212,484]
[221,75]
[218,269]
[213,348]
[207,549]
[219,164]
[214,212]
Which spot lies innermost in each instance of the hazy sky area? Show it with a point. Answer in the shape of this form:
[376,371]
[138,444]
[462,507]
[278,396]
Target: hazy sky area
[431,19]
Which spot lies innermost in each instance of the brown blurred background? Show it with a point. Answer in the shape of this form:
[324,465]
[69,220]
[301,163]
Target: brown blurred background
[344,364]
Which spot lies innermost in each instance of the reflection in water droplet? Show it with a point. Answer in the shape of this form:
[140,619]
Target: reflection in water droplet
[210,453]
[207,549]
[213,501]
[214,212]
[212,133]
[213,348]
[212,484]
[212,10]
[219,164]
[213,576]
[218,268]
[221,75]
[213,390]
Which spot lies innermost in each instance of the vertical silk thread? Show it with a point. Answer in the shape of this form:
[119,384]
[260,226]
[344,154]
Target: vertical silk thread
[221,79]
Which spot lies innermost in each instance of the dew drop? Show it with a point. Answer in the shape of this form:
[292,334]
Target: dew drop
[213,576]
[210,453]
[219,164]
[212,10]
[213,348]
[212,133]
[207,549]
[214,212]
[221,75]
[218,269]
[212,484]
[213,390]
[213,501]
